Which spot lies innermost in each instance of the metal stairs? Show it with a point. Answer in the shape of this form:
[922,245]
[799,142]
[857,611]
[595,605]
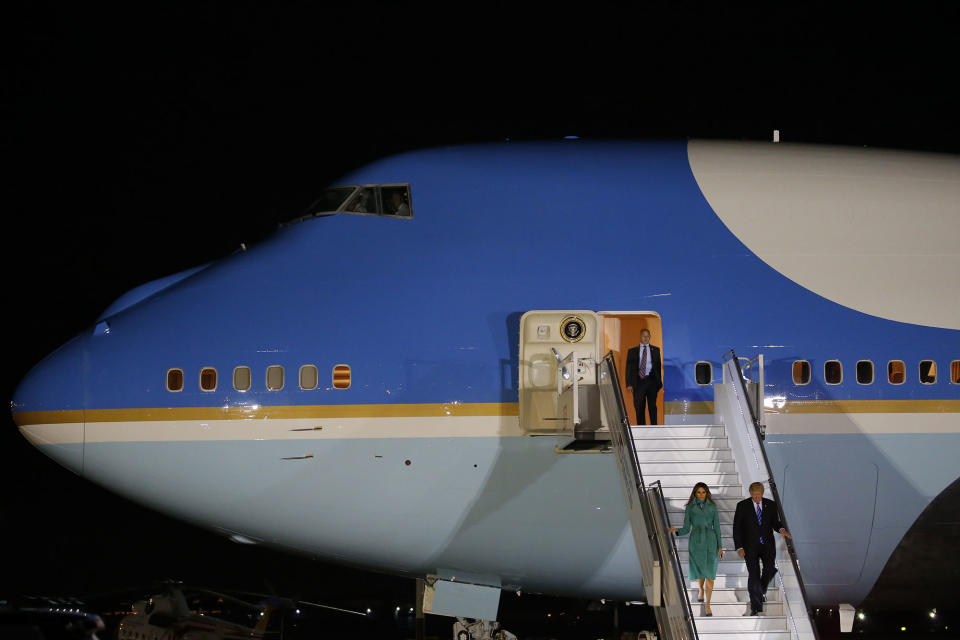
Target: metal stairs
[658,467]
[679,456]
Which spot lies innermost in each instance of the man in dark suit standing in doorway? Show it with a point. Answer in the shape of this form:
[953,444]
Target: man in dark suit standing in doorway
[754,522]
[644,377]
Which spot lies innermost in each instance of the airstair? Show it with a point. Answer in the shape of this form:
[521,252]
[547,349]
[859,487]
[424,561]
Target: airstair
[658,466]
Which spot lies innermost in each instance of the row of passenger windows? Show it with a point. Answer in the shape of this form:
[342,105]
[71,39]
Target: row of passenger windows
[833,372]
[896,372]
[340,376]
[309,378]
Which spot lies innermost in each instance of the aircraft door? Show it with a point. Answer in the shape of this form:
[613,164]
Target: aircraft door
[558,373]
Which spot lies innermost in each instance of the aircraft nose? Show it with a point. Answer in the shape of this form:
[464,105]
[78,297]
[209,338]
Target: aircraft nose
[48,405]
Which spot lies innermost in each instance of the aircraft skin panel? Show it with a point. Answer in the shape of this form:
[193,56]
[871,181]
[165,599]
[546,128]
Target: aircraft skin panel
[321,292]
[426,313]
[523,509]
[861,227]
[518,513]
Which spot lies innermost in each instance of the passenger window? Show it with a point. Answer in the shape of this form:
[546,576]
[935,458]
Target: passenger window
[896,372]
[175,380]
[833,372]
[865,371]
[928,372]
[208,379]
[955,372]
[704,373]
[308,377]
[341,376]
[274,377]
[241,378]
[801,372]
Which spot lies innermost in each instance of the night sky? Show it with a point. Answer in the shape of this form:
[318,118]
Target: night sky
[140,139]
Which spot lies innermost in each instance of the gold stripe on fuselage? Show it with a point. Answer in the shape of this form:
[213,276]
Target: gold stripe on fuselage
[440,410]
[260,412]
[867,406]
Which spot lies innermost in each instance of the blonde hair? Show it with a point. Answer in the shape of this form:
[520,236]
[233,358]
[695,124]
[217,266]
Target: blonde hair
[756,485]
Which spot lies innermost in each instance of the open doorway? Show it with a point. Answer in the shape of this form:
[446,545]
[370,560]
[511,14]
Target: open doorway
[621,332]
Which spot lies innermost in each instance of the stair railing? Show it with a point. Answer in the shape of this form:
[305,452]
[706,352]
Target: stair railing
[651,530]
[676,593]
[755,436]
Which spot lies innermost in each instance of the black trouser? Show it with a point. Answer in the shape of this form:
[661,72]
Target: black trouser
[758,582]
[644,393]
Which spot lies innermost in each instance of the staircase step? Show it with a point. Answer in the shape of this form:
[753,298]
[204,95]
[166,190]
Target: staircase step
[690,479]
[733,609]
[741,623]
[723,503]
[671,454]
[683,442]
[734,595]
[742,635]
[675,516]
[738,581]
[674,430]
[684,466]
[731,490]
[731,565]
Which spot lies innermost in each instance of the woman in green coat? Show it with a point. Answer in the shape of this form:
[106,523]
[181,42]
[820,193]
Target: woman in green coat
[702,522]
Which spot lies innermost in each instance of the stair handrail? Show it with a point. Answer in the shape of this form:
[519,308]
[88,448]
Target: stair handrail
[657,488]
[627,437]
[761,436]
[625,422]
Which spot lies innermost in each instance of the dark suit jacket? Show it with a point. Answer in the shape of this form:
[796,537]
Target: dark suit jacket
[747,532]
[633,366]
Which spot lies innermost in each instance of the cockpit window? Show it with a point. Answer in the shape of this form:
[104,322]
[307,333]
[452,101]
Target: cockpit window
[396,201]
[330,200]
[363,201]
[369,199]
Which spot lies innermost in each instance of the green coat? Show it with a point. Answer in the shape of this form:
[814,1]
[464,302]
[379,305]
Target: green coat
[703,525]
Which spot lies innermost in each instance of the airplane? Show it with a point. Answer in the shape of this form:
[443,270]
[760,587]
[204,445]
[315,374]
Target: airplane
[167,616]
[362,386]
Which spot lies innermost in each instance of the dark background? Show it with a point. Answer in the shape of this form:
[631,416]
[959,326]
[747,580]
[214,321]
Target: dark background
[144,138]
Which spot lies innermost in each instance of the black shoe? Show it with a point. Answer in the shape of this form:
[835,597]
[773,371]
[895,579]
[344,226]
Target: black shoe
[752,613]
